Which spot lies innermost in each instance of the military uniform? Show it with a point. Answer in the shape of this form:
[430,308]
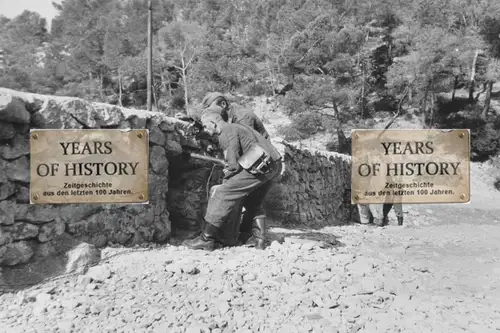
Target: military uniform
[236,140]
[233,114]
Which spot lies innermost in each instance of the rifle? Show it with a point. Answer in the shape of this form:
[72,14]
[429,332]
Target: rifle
[194,123]
[205,158]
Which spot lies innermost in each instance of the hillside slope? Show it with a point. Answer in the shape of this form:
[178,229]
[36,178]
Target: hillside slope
[273,119]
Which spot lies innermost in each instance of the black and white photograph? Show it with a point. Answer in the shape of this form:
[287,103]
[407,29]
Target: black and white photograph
[245,166]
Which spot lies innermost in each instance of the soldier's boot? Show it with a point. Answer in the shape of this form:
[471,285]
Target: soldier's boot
[206,240]
[380,222]
[400,220]
[245,229]
[259,233]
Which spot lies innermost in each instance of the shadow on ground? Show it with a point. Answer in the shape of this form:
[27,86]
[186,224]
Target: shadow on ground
[17,278]
[296,234]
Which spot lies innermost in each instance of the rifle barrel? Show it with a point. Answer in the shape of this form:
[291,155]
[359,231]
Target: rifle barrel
[207,158]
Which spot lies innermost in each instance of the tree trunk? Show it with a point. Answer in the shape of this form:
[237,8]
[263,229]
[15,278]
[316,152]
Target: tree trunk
[455,83]
[363,92]
[336,109]
[155,98]
[101,86]
[473,76]
[431,112]
[487,99]
[120,88]
[424,107]
[164,83]
[343,142]
[184,81]
[426,94]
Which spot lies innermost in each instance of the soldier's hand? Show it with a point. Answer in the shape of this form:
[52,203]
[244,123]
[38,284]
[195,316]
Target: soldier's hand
[226,172]
[182,116]
[210,148]
[191,127]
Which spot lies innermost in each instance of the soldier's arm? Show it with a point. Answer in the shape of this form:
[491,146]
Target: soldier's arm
[259,127]
[230,144]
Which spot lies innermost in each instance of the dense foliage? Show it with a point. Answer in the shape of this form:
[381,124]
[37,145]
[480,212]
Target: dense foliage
[352,57]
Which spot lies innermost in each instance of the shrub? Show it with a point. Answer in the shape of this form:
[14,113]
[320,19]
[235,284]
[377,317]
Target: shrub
[332,146]
[289,133]
[307,123]
[303,126]
[294,103]
[256,89]
[177,102]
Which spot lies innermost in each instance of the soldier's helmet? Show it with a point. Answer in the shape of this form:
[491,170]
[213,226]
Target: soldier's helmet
[210,98]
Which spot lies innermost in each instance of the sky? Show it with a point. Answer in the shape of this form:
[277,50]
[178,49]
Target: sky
[12,8]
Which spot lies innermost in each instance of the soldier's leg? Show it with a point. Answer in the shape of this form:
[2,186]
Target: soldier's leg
[245,227]
[365,215]
[377,211]
[386,209]
[221,203]
[398,209]
[255,216]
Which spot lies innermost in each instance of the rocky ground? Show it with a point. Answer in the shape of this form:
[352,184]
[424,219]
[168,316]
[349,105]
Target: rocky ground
[440,272]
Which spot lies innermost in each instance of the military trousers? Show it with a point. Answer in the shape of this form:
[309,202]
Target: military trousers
[398,209]
[253,188]
[377,212]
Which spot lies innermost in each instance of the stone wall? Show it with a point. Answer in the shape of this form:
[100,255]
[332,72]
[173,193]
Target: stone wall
[313,190]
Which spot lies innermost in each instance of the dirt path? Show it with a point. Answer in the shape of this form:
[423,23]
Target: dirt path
[440,272]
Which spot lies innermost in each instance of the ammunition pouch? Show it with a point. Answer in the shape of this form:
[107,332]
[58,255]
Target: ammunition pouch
[256,160]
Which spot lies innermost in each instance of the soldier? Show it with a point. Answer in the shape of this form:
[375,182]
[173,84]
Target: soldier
[398,209]
[246,176]
[217,102]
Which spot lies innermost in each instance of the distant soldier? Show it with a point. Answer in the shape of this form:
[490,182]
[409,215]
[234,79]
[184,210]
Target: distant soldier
[378,213]
[371,213]
[217,102]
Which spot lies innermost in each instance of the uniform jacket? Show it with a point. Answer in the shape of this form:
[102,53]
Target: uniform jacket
[240,115]
[236,139]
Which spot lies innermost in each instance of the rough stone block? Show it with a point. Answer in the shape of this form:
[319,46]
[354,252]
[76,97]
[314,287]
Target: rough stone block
[22,194]
[7,212]
[22,230]
[5,237]
[17,170]
[51,230]
[18,147]
[13,110]
[108,115]
[7,131]
[156,136]
[15,253]
[158,160]
[51,116]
